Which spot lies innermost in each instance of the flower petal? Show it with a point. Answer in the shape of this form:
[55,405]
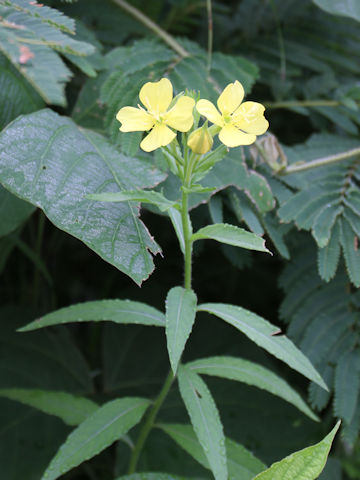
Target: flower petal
[157,96]
[159,136]
[208,109]
[250,118]
[180,116]
[231,98]
[134,120]
[233,137]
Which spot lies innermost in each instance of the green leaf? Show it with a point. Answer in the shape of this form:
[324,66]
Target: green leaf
[348,8]
[72,410]
[241,463]
[324,222]
[351,252]
[266,336]
[118,311]
[347,385]
[144,196]
[306,464]
[13,211]
[248,372]
[328,256]
[40,164]
[175,217]
[205,418]
[232,235]
[97,432]
[180,317]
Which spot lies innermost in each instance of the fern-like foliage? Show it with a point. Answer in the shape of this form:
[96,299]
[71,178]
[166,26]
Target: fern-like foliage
[326,201]
[30,37]
[324,321]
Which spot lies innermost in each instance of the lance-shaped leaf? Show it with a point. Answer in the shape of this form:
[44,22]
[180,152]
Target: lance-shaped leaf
[143,196]
[53,164]
[266,336]
[248,372]
[306,464]
[241,463]
[175,217]
[180,316]
[206,420]
[232,235]
[107,424]
[72,410]
[118,311]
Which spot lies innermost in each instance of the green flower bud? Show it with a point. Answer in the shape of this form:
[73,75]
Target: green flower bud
[200,140]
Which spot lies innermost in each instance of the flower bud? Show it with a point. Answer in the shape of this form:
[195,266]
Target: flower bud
[200,140]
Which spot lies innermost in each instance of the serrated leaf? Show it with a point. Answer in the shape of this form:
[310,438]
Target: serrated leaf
[351,252]
[205,418]
[328,256]
[118,311]
[306,464]
[180,317]
[347,385]
[143,196]
[40,164]
[241,463]
[251,373]
[97,432]
[231,235]
[72,410]
[266,336]
[324,222]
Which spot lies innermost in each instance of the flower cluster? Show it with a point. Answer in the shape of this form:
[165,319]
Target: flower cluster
[236,123]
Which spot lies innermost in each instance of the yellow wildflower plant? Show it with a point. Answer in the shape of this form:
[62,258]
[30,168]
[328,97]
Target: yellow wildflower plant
[158,117]
[239,123]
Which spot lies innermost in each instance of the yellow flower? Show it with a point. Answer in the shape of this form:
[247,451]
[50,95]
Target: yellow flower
[156,97]
[239,122]
[200,140]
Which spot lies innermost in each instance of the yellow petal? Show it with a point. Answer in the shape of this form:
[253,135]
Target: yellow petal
[180,116]
[157,96]
[250,118]
[134,120]
[233,137]
[159,136]
[231,98]
[208,109]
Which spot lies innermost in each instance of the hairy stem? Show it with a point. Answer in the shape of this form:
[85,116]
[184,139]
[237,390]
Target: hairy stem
[320,162]
[153,26]
[148,425]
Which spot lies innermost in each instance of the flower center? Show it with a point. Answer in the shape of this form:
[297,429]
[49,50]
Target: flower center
[227,118]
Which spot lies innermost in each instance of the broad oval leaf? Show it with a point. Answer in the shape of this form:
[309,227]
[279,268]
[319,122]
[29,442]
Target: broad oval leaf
[107,424]
[306,464]
[348,8]
[53,164]
[118,311]
[206,420]
[251,373]
[232,235]
[143,196]
[266,336]
[241,463]
[72,410]
[180,316]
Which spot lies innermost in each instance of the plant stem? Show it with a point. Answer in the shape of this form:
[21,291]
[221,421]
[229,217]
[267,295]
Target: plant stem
[153,26]
[320,162]
[146,428]
[188,243]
